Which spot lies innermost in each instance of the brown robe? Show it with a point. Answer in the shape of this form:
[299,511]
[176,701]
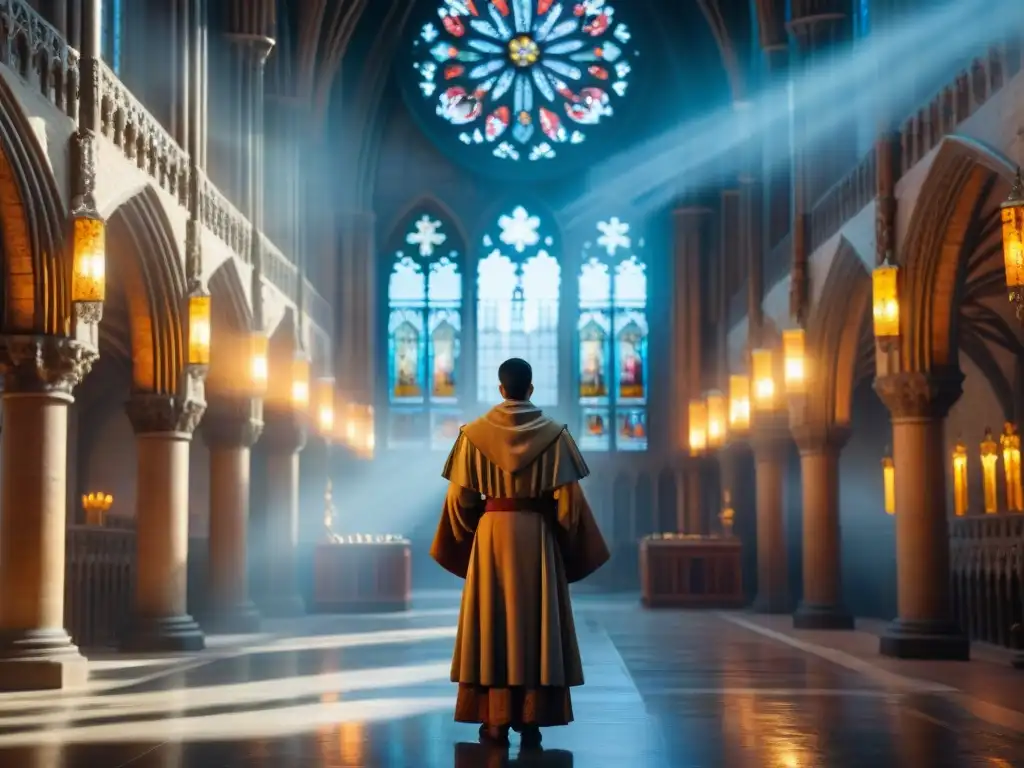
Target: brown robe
[516,655]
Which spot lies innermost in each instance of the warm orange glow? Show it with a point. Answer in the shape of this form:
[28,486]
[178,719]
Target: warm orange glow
[960,499]
[300,383]
[989,461]
[794,361]
[324,404]
[698,427]
[739,403]
[1013,236]
[89,259]
[199,333]
[889,485]
[359,430]
[259,371]
[717,418]
[96,506]
[886,301]
[762,365]
[1010,441]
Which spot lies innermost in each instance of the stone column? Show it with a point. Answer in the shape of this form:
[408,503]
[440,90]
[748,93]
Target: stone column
[284,436]
[163,425]
[924,627]
[770,440]
[230,430]
[39,374]
[356,317]
[822,603]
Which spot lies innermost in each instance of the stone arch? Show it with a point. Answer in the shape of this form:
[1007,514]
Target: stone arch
[36,273]
[147,267]
[936,249]
[836,335]
[427,203]
[229,302]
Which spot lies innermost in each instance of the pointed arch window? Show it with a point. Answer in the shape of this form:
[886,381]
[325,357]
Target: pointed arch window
[518,283]
[424,335]
[612,333]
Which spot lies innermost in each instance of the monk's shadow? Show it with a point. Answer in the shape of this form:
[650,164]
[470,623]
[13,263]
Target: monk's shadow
[469,755]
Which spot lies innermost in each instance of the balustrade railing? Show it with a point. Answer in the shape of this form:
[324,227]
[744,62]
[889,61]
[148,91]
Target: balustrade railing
[225,221]
[40,55]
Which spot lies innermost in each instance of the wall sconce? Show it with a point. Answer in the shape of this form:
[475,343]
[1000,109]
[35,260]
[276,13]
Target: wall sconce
[739,403]
[889,483]
[1013,243]
[989,459]
[762,366]
[698,427]
[324,399]
[885,301]
[717,419]
[1010,441]
[96,506]
[89,259]
[259,371]
[199,328]
[300,383]
[960,479]
[794,361]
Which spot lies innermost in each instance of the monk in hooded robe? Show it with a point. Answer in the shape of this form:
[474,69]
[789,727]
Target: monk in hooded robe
[517,527]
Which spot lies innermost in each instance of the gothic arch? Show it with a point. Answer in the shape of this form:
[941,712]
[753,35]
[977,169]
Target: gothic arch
[228,300]
[35,270]
[144,260]
[938,246]
[426,204]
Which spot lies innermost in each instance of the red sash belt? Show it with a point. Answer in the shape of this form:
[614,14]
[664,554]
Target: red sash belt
[543,505]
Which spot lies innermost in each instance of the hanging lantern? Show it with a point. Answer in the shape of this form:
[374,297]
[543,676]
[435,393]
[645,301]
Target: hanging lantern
[324,399]
[300,383]
[698,427]
[989,460]
[716,410]
[1013,243]
[960,479]
[762,365]
[739,403]
[199,328]
[259,371]
[89,259]
[1010,442]
[794,361]
[886,301]
[889,483]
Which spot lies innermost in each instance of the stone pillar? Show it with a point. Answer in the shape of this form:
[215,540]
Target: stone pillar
[230,430]
[822,603]
[163,425]
[284,436]
[924,627]
[770,440]
[39,374]
[355,321]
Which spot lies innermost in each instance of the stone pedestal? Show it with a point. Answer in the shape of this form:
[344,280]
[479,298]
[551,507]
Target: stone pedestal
[163,427]
[924,628]
[770,440]
[39,374]
[371,574]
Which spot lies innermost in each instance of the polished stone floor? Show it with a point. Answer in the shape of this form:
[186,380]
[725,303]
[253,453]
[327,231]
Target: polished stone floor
[672,689]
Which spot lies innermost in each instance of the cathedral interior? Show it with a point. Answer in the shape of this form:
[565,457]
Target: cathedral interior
[262,259]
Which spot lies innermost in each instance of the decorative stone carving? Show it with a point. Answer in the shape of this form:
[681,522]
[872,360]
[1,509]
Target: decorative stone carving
[236,423]
[919,395]
[820,436]
[156,412]
[44,364]
[284,433]
[83,170]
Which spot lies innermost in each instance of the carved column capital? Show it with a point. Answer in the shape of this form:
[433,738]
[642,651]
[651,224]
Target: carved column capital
[44,364]
[770,435]
[284,433]
[234,423]
[157,413]
[917,395]
[820,437]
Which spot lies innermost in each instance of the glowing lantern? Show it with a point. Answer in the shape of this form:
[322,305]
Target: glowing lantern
[989,460]
[199,328]
[960,479]
[698,427]
[716,410]
[259,371]
[325,406]
[794,361]
[889,483]
[886,301]
[762,365]
[739,403]
[1013,242]
[89,259]
[1010,442]
[300,383]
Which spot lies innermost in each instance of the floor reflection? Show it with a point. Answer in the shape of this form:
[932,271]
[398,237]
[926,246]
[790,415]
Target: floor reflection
[469,755]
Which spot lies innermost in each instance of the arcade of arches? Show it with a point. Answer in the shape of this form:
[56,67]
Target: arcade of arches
[240,298]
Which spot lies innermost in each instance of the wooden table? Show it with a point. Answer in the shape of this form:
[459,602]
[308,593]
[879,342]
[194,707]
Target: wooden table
[362,574]
[691,571]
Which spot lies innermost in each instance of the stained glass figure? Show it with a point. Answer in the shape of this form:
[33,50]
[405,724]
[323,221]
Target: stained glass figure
[424,330]
[524,77]
[519,283]
[613,305]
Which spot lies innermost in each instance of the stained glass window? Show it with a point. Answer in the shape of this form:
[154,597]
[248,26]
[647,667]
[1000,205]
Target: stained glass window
[612,336]
[519,281]
[524,78]
[424,336]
